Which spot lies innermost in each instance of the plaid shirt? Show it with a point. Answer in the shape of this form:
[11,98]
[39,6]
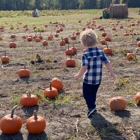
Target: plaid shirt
[93,58]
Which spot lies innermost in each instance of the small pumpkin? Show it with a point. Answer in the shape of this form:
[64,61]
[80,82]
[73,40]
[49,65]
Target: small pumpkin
[24,73]
[138,43]
[104,34]
[107,38]
[103,42]
[74,49]
[45,43]
[62,42]
[66,39]
[5,59]
[29,99]
[50,92]
[130,56]
[12,45]
[35,124]
[73,37]
[137,98]
[69,51]
[37,39]
[70,62]
[117,103]
[29,38]
[10,123]
[13,36]
[57,83]
[50,37]
[107,50]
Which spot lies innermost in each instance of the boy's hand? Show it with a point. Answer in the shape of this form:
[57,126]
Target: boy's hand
[112,76]
[76,77]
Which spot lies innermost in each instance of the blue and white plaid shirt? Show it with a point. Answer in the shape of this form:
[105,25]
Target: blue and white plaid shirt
[93,58]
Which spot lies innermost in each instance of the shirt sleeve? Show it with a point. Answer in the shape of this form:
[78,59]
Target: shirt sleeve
[84,61]
[105,59]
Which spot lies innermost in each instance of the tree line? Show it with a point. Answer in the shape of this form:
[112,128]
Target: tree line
[61,4]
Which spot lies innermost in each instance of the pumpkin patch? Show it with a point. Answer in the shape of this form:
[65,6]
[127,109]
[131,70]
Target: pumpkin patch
[60,107]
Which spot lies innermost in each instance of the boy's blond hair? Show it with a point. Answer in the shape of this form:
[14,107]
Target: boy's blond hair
[88,38]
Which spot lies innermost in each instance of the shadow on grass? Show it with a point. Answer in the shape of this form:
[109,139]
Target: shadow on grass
[40,136]
[30,110]
[17,136]
[105,129]
[25,79]
[122,114]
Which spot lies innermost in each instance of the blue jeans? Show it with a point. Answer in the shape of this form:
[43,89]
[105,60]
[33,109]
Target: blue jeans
[89,93]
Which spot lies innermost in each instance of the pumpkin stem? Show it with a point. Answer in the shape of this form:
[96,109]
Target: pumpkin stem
[5,52]
[35,115]
[50,86]
[28,93]
[13,109]
[25,65]
[106,44]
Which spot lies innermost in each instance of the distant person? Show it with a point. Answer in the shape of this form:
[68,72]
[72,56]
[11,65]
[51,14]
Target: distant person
[34,13]
[91,68]
[37,12]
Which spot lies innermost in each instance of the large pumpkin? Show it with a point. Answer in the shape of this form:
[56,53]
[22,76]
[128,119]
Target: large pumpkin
[35,124]
[11,124]
[137,98]
[117,103]
[55,82]
[50,92]
[29,99]
[24,73]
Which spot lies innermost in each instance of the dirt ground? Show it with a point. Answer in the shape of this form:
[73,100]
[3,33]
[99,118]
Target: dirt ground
[66,116]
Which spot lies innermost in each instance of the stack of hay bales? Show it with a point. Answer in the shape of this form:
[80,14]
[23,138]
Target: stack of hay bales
[118,11]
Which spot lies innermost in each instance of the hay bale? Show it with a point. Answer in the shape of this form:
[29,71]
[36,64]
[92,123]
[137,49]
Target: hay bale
[118,11]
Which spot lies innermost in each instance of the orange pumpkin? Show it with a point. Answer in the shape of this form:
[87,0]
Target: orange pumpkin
[29,99]
[50,37]
[10,123]
[137,98]
[56,83]
[66,39]
[13,36]
[29,38]
[5,59]
[45,43]
[1,38]
[35,124]
[104,34]
[50,92]
[102,41]
[69,51]
[24,73]
[74,49]
[130,56]
[12,45]
[138,43]
[117,103]
[70,62]
[37,39]
[73,37]
[107,38]
[107,50]
[62,42]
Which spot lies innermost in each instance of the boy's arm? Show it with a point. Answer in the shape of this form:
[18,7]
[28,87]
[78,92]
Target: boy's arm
[109,67]
[81,72]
